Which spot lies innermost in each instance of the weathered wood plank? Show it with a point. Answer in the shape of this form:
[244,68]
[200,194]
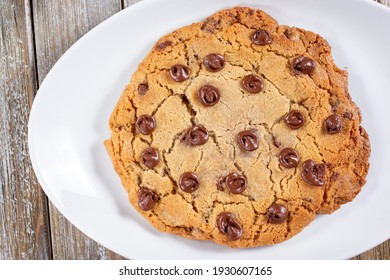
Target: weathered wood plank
[381,252]
[58,24]
[71,244]
[24,232]
[127,3]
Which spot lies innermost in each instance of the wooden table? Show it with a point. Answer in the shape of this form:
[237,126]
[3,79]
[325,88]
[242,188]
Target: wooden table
[34,34]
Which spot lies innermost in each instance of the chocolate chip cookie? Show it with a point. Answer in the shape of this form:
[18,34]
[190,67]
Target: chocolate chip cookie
[238,130]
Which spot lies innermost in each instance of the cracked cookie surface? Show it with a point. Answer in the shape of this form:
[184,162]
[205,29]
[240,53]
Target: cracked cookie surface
[238,130]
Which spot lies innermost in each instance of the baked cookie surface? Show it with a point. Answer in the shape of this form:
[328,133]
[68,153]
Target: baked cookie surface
[238,130]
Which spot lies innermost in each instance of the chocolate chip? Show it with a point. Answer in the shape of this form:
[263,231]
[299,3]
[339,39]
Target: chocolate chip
[261,37]
[235,183]
[288,33]
[146,124]
[334,177]
[196,135]
[348,115]
[227,224]
[291,34]
[276,142]
[150,157]
[147,199]
[248,140]
[143,89]
[220,183]
[188,182]
[189,229]
[208,95]
[294,119]
[333,124]
[214,62]
[163,45]
[303,65]
[211,24]
[313,173]
[252,83]
[179,72]
[289,158]
[277,214]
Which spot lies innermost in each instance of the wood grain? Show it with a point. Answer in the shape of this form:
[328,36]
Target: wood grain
[24,232]
[380,252]
[127,3]
[58,25]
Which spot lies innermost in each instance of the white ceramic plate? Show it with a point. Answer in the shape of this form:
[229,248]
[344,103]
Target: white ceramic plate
[68,124]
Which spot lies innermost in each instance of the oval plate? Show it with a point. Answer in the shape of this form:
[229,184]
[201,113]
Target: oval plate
[69,122]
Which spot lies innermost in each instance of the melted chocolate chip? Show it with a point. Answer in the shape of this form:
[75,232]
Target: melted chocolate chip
[214,62]
[334,177]
[277,214]
[188,182]
[227,224]
[289,158]
[291,34]
[303,65]
[147,199]
[235,183]
[313,173]
[261,37]
[143,89]
[179,73]
[150,157]
[248,140]
[163,45]
[221,183]
[276,142]
[208,95]
[211,24]
[146,124]
[288,33]
[252,83]
[196,135]
[294,119]
[348,115]
[333,124]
